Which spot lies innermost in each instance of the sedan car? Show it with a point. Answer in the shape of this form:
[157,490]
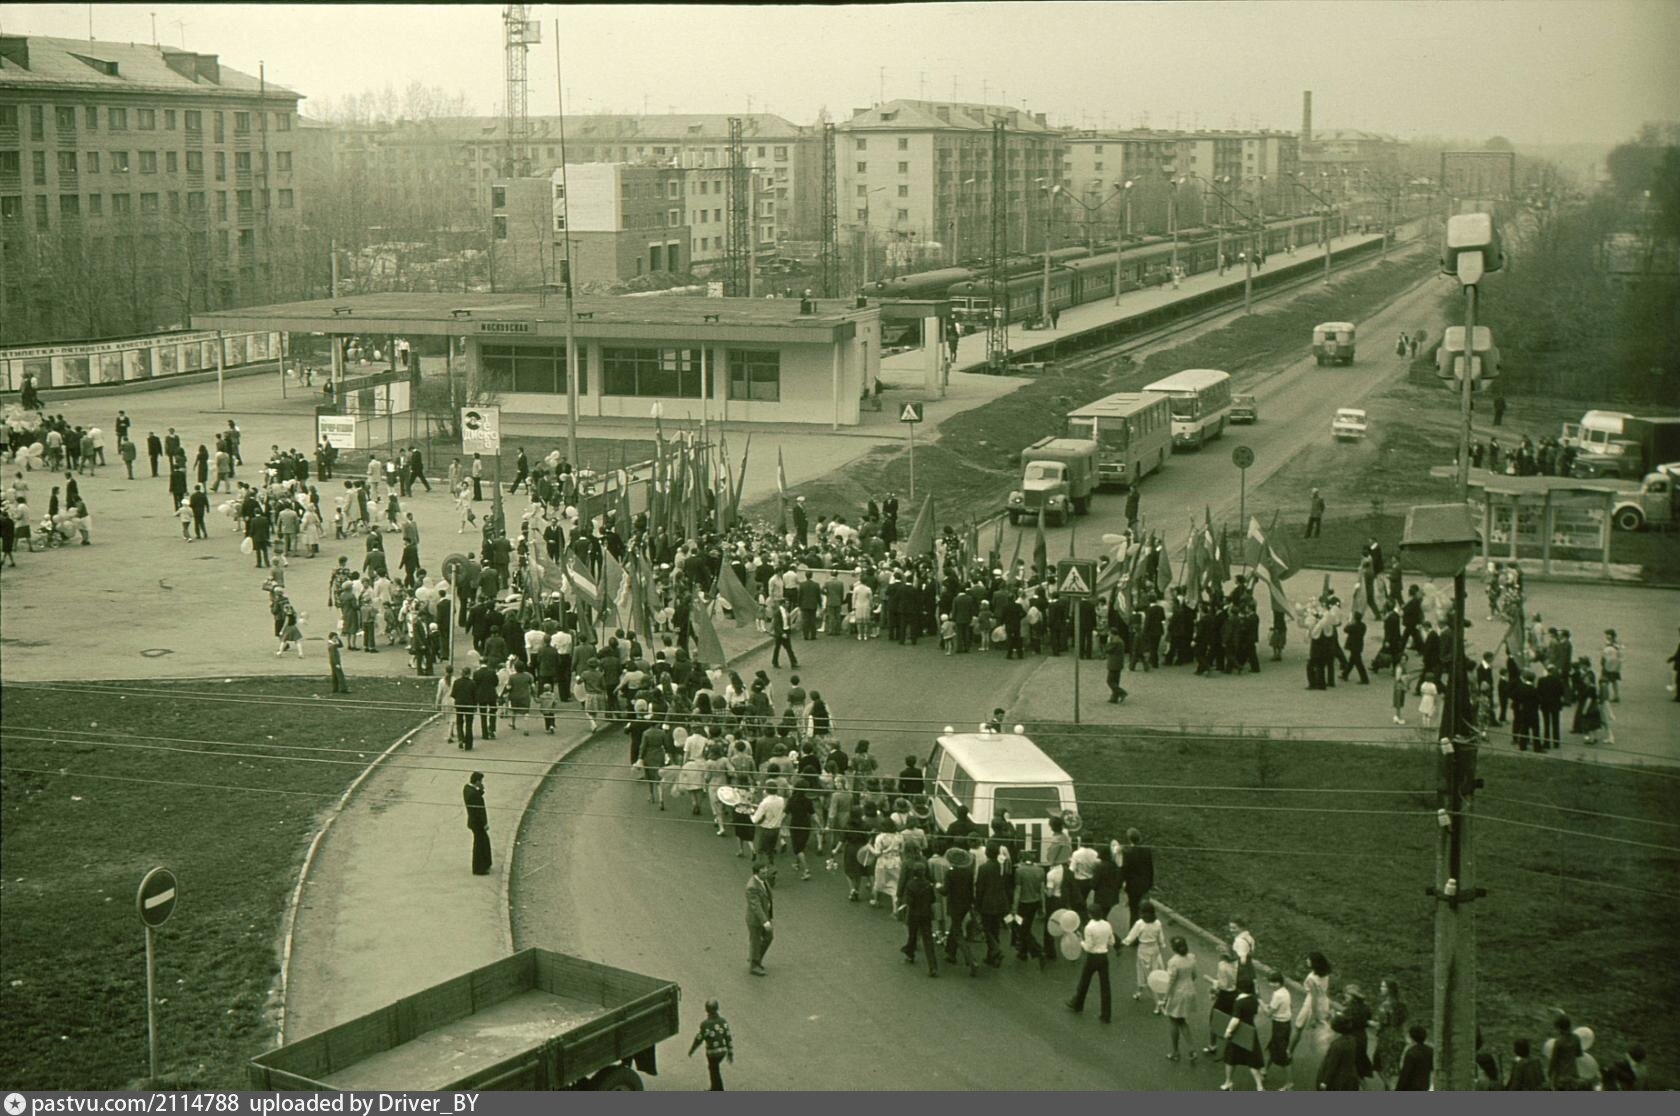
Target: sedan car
[1349,425]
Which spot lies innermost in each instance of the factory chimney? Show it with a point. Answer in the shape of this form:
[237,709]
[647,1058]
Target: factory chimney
[1306,116]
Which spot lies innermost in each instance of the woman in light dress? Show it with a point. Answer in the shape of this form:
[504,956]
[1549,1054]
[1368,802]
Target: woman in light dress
[887,846]
[1181,996]
[1149,934]
[1314,1015]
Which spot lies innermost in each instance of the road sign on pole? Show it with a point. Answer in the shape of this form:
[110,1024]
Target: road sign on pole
[1076,578]
[911,414]
[481,430]
[1242,457]
[155,901]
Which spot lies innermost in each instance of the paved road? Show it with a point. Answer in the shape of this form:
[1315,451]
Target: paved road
[1296,406]
[601,873]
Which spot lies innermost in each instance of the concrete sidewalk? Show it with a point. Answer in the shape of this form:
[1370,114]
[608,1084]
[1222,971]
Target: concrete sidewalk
[387,903]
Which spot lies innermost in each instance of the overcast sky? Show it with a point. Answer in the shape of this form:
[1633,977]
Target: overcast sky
[1537,71]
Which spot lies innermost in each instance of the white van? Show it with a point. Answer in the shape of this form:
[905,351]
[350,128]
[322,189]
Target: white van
[1594,433]
[987,770]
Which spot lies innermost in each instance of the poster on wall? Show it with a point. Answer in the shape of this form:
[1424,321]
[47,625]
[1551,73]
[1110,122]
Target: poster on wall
[168,360]
[73,372]
[338,431]
[110,368]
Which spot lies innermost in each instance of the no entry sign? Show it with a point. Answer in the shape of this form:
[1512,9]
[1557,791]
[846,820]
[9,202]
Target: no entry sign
[156,899]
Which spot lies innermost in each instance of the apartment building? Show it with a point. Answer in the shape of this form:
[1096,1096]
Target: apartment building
[910,172]
[1251,168]
[156,163]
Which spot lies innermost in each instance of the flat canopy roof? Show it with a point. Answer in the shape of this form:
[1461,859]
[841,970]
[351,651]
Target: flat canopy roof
[510,316]
[1503,485]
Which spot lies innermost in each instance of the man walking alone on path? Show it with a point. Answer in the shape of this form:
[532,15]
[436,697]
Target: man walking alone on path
[782,630]
[1116,664]
[720,1044]
[478,821]
[1315,516]
[760,909]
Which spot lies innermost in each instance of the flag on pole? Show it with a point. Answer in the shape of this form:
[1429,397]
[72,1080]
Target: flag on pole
[612,579]
[1221,557]
[1041,550]
[740,482]
[995,555]
[973,540]
[1014,559]
[1268,567]
[781,488]
[1193,572]
[584,586]
[742,603]
[706,642]
[921,535]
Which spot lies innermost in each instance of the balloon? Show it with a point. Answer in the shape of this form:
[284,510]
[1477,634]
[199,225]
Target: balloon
[226,507]
[1070,947]
[1585,1034]
[1064,921]
[1159,982]
[729,796]
[1117,918]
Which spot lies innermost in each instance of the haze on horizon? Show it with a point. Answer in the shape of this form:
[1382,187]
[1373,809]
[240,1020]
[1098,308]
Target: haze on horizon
[1535,71]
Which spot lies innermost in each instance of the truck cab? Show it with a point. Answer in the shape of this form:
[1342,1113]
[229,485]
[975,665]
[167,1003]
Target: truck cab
[1333,342]
[1057,475]
[1655,503]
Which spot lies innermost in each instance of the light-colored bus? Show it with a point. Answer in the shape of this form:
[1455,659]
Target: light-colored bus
[1201,403]
[1133,432]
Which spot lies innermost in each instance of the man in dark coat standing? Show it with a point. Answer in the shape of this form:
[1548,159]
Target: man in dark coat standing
[810,605]
[478,821]
[154,450]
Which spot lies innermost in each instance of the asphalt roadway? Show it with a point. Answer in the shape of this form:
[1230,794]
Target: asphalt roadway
[601,873]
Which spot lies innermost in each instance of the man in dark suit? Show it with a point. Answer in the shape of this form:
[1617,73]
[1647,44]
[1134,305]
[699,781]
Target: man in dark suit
[1549,695]
[781,629]
[478,822]
[464,693]
[991,902]
[1431,657]
[962,615]
[1137,873]
[1355,644]
[810,605]
[801,523]
[1154,626]
[959,901]
[1411,619]
[485,690]
[761,907]
[154,450]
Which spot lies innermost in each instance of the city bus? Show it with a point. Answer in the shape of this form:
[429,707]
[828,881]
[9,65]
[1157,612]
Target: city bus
[1133,432]
[1201,402]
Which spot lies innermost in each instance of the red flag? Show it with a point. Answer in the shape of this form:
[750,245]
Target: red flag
[921,535]
[707,645]
[742,603]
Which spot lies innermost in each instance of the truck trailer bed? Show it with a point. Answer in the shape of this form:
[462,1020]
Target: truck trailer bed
[466,1047]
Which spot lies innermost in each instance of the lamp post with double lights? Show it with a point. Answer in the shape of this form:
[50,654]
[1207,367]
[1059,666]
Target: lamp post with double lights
[868,243]
[1172,215]
[1323,220]
[1122,233]
[1225,203]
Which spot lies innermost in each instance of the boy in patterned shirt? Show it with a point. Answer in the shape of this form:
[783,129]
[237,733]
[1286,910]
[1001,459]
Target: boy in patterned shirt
[720,1044]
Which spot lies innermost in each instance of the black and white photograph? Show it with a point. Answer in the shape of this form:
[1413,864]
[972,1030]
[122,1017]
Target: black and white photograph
[907,548]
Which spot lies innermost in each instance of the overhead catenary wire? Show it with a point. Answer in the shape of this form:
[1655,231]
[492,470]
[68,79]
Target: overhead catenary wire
[638,818]
[1042,730]
[83,736]
[395,764]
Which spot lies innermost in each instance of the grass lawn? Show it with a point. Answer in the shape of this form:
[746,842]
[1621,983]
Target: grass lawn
[1568,921]
[72,953]
[974,462]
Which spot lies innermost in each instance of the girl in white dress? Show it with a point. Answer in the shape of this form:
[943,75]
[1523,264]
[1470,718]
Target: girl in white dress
[1149,934]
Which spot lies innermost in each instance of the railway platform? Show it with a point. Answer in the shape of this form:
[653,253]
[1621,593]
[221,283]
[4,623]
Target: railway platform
[1134,311]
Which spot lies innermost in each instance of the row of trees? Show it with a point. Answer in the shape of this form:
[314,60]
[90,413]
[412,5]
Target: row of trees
[1570,322]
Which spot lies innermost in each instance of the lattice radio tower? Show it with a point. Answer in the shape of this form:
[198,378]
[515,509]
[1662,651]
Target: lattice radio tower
[519,34]
[830,218]
[997,325]
[739,255]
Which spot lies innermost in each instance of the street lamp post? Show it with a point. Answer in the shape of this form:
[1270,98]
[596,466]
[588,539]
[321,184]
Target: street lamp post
[1323,220]
[956,225]
[1248,256]
[1172,220]
[1049,224]
[1125,236]
[868,243]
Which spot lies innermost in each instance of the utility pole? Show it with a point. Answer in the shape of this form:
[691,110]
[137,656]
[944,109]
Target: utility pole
[1044,306]
[566,273]
[997,326]
[740,242]
[830,217]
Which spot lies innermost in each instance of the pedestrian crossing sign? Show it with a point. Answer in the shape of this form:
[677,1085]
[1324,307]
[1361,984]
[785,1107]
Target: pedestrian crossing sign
[1075,577]
[911,412]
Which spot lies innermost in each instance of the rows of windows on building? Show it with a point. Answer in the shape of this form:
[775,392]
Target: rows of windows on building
[753,375]
[116,167]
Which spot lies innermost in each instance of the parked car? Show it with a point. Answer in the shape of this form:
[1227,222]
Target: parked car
[1349,425]
[1244,409]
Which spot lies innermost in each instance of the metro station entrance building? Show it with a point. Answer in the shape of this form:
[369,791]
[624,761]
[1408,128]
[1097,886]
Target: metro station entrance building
[729,360]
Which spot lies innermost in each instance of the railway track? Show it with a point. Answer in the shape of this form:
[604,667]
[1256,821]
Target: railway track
[1096,349]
